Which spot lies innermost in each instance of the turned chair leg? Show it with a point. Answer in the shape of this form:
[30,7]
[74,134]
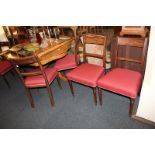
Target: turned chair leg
[50,95]
[6,81]
[30,97]
[100,95]
[95,96]
[132,101]
[58,81]
[71,87]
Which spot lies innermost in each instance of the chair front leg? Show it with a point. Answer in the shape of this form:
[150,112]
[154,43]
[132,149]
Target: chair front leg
[95,96]
[58,81]
[71,87]
[100,95]
[132,101]
[50,95]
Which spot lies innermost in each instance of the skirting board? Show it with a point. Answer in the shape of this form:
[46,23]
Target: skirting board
[143,120]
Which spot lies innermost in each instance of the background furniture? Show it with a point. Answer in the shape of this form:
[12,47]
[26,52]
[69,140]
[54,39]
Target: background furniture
[134,30]
[88,74]
[4,46]
[124,81]
[55,50]
[5,67]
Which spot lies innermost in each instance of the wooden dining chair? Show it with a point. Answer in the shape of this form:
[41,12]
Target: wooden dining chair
[90,71]
[37,78]
[70,61]
[121,80]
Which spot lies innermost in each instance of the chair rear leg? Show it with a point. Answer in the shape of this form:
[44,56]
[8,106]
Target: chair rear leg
[132,101]
[71,87]
[30,97]
[58,81]
[100,95]
[6,81]
[95,97]
[50,95]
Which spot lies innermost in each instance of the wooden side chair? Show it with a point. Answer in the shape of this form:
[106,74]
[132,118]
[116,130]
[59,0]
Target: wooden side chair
[37,78]
[88,73]
[124,81]
[70,61]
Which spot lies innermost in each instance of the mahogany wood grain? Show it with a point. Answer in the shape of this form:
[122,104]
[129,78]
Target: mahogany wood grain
[95,96]
[132,101]
[100,95]
[71,87]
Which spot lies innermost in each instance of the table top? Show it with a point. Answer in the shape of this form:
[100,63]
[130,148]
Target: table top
[56,49]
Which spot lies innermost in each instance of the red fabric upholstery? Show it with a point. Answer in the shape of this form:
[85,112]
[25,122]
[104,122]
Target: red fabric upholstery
[38,80]
[86,74]
[122,81]
[68,62]
[5,66]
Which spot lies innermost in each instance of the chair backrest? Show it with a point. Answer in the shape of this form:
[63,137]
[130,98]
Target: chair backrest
[132,42]
[26,61]
[83,29]
[94,49]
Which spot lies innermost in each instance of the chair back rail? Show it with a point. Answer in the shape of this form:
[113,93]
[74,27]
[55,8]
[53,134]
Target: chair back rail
[98,40]
[138,42]
[132,42]
[18,62]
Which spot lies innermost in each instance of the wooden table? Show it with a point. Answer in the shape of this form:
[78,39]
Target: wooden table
[56,49]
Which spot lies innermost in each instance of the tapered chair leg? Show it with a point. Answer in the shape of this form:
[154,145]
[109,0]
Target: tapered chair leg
[132,101]
[30,97]
[58,81]
[71,87]
[95,97]
[100,95]
[50,95]
[6,81]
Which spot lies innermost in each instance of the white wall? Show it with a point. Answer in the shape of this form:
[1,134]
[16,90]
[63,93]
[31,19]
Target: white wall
[146,108]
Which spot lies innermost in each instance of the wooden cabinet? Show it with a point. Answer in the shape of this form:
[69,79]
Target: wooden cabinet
[134,30]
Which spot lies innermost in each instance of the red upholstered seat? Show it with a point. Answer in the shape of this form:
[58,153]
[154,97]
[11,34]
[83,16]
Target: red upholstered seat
[5,66]
[68,62]
[122,81]
[38,80]
[87,74]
